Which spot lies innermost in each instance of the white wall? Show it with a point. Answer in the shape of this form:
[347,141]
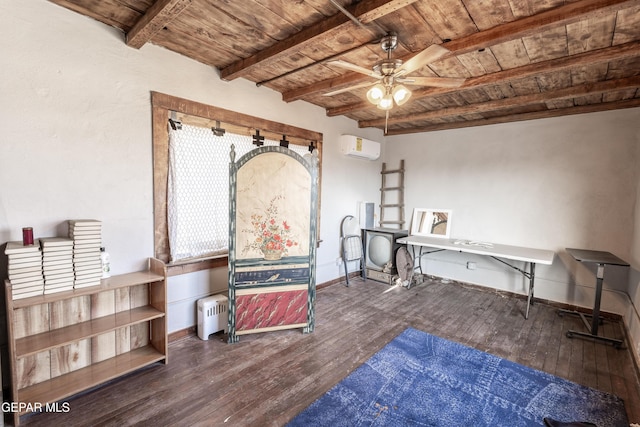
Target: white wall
[551,184]
[75,115]
[632,314]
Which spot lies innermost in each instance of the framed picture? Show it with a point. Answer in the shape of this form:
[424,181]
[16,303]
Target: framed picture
[431,222]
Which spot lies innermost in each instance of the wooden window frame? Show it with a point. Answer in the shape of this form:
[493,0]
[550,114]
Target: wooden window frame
[163,106]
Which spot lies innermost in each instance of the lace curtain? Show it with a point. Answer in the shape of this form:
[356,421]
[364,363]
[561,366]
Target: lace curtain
[198,189]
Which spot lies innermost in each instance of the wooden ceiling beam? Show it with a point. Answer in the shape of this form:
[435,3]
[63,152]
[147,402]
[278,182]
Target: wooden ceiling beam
[381,11]
[591,108]
[161,13]
[622,51]
[365,11]
[101,12]
[536,24]
[500,104]
[523,27]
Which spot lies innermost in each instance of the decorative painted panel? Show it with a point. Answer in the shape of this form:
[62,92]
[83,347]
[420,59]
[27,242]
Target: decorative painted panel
[272,241]
[278,309]
[259,271]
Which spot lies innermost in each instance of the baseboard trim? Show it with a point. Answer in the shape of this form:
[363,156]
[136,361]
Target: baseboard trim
[179,334]
[337,280]
[630,344]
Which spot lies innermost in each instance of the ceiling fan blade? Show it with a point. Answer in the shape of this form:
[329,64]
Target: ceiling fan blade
[353,67]
[430,54]
[433,81]
[347,89]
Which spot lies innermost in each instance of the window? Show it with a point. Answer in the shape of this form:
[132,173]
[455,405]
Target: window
[191,176]
[198,189]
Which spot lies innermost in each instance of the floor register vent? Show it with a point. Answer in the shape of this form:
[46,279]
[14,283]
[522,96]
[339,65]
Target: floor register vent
[212,315]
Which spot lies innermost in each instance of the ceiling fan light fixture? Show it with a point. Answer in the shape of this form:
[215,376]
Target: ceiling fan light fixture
[401,94]
[375,94]
[386,103]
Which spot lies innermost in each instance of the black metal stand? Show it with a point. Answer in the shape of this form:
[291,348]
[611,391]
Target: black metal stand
[602,259]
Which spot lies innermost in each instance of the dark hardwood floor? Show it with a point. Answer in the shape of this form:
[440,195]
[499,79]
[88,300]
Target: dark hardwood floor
[266,379]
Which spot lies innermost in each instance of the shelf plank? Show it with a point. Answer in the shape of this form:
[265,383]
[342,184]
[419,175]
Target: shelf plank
[58,337]
[69,384]
[114,282]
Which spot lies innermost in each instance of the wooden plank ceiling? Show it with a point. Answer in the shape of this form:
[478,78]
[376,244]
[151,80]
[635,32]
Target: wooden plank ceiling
[522,59]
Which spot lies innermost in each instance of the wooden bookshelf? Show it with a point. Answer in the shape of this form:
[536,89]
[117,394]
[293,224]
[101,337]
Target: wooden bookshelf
[64,343]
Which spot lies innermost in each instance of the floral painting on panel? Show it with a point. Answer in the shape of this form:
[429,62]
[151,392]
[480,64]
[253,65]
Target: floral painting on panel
[272,208]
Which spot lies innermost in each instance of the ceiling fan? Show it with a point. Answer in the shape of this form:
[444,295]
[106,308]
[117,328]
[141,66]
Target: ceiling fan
[392,75]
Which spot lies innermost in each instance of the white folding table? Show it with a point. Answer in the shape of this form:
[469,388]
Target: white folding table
[428,244]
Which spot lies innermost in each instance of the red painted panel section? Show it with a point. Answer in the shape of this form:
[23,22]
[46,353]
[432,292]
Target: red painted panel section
[271,309]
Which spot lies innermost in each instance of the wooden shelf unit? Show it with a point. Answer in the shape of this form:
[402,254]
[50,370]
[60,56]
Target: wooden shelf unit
[67,342]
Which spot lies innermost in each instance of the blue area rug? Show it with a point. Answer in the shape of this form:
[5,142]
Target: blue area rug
[422,380]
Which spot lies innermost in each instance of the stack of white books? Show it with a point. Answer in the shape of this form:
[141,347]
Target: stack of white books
[57,264]
[25,270]
[87,240]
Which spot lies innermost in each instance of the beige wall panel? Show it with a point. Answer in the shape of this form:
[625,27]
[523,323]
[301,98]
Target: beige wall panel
[103,346]
[70,311]
[70,357]
[139,295]
[31,320]
[123,340]
[139,335]
[33,369]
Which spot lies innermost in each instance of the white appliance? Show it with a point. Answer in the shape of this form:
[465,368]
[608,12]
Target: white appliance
[355,146]
[212,315]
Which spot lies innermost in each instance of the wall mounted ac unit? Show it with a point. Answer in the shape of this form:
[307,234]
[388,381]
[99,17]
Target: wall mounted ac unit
[355,146]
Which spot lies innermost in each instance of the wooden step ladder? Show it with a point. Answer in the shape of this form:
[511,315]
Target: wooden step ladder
[396,188]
